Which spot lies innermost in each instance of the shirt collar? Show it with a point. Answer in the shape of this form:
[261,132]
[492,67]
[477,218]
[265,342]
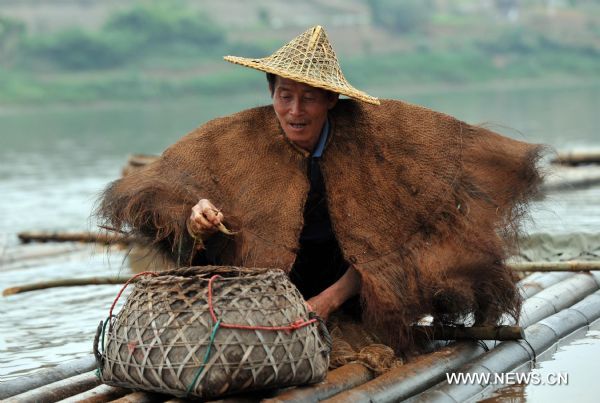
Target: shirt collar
[318,151]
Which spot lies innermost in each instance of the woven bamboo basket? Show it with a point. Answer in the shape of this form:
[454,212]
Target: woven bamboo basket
[211,331]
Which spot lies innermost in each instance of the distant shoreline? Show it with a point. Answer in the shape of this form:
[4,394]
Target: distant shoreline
[154,52]
[399,90]
[498,85]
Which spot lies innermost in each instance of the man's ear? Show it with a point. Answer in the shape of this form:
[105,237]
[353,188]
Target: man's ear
[333,98]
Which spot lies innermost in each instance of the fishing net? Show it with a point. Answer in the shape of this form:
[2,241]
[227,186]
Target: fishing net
[211,331]
[355,343]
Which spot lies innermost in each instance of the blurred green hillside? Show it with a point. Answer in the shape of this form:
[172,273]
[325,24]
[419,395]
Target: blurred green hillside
[86,50]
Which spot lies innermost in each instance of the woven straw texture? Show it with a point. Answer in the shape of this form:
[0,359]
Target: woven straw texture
[159,340]
[310,59]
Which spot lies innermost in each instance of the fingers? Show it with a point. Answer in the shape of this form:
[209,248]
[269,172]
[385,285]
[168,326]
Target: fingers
[205,217]
[212,215]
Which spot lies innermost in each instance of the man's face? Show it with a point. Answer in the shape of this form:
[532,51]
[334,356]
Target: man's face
[301,110]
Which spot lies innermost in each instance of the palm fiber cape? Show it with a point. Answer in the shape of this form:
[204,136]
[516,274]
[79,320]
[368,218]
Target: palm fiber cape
[425,207]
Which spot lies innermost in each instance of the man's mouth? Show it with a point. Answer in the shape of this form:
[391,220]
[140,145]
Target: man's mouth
[297,125]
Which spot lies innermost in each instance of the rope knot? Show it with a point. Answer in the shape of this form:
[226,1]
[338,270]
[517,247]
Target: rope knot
[297,324]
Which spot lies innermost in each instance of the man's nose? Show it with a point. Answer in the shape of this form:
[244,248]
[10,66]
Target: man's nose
[296,107]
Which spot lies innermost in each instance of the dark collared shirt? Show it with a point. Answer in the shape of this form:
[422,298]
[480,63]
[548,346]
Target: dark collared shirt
[317,224]
[319,262]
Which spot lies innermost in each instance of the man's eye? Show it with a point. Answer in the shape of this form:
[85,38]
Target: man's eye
[309,99]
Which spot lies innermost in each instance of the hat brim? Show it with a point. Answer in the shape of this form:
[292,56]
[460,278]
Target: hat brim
[258,64]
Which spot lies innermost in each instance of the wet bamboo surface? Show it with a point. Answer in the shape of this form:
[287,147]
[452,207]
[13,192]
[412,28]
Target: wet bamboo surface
[58,390]
[47,376]
[536,282]
[554,296]
[413,378]
[337,381]
[559,296]
[510,355]
[99,394]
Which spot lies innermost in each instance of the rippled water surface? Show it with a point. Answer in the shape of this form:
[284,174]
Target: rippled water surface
[54,162]
[43,328]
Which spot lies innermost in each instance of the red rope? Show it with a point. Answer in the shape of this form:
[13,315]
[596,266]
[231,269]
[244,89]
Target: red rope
[292,326]
[144,273]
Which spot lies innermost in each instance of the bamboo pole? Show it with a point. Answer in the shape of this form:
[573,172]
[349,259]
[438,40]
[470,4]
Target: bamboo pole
[44,377]
[413,377]
[576,158]
[141,397]
[536,282]
[67,282]
[439,332]
[573,265]
[99,394]
[337,380]
[557,297]
[87,237]
[58,390]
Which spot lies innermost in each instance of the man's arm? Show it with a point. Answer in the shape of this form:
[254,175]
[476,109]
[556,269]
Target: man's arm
[330,299]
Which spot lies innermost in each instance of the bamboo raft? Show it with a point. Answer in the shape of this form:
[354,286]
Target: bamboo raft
[556,304]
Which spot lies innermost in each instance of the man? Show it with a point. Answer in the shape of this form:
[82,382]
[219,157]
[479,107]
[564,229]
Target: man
[411,209]
[302,113]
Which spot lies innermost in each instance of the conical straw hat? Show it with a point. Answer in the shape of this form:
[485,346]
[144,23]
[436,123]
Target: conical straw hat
[310,59]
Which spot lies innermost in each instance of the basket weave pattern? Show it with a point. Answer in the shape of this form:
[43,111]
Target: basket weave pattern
[159,340]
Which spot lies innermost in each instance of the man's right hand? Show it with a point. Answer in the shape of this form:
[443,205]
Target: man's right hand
[204,219]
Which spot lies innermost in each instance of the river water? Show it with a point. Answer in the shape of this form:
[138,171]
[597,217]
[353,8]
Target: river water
[55,160]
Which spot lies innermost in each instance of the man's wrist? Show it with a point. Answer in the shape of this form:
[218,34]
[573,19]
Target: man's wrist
[335,296]
[343,289]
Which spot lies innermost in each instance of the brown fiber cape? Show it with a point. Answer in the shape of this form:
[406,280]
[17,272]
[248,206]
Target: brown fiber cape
[425,207]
